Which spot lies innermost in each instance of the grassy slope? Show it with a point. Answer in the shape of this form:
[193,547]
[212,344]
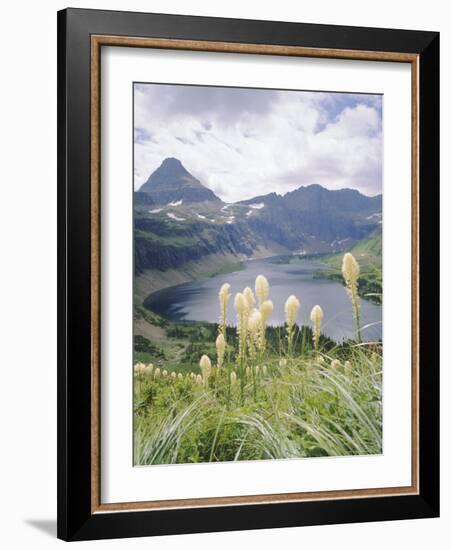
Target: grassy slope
[153,279]
[181,345]
[300,407]
[368,253]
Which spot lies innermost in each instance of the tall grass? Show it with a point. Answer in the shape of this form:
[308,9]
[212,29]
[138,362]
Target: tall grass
[302,408]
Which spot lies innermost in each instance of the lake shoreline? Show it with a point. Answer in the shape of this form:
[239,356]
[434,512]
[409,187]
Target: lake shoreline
[153,280]
[208,268]
[197,300]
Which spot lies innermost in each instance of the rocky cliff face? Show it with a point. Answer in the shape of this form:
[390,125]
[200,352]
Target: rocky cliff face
[143,199]
[166,246]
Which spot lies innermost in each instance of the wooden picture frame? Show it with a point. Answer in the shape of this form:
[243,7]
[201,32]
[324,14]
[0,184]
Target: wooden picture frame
[81,35]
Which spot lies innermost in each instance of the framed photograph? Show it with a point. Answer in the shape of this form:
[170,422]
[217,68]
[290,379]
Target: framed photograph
[248,274]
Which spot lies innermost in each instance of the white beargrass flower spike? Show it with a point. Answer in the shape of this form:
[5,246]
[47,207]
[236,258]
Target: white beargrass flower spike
[205,367]
[261,288]
[223,301]
[316,316]
[254,326]
[335,364]
[139,368]
[250,298]
[266,309]
[255,323]
[240,303]
[220,349]
[292,306]
[351,270]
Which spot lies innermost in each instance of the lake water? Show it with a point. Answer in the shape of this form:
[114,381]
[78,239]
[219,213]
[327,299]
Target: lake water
[198,300]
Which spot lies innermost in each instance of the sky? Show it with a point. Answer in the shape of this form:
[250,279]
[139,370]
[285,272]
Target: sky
[244,142]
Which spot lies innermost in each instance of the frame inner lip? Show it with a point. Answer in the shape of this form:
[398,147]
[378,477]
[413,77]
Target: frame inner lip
[99,40]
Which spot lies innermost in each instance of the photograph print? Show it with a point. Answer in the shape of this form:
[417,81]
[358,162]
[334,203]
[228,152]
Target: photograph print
[257,296]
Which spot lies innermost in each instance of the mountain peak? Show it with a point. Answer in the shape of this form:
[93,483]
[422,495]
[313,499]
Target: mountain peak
[171,162]
[172,166]
[171,181]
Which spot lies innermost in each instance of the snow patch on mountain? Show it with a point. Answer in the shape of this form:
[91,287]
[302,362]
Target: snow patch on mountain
[174,217]
[376,215]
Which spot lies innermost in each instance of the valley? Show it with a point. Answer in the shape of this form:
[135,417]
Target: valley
[184,234]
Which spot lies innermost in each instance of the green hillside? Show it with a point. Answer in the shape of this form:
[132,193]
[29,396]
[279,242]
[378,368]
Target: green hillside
[368,252]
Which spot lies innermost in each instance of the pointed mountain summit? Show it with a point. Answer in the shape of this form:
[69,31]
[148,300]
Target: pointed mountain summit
[171,182]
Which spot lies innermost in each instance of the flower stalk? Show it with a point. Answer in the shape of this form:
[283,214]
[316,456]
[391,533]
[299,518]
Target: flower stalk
[241,309]
[205,367]
[223,301]
[351,271]
[254,330]
[316,316]
[292,306]
[220,349]
[266,309]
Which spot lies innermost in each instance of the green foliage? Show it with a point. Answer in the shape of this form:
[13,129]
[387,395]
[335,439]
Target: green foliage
[142,344]
[303,407]
[194,332]
[140,312]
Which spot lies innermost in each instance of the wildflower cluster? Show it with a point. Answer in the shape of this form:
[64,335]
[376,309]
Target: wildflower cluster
[252,312]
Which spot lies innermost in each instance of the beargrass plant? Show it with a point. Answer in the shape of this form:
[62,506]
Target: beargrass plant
[351,271]
[316,316]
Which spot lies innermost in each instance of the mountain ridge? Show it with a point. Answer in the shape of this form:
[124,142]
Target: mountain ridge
[173,179]
[191,222]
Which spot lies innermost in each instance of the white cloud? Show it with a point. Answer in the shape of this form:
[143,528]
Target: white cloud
[247,143]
